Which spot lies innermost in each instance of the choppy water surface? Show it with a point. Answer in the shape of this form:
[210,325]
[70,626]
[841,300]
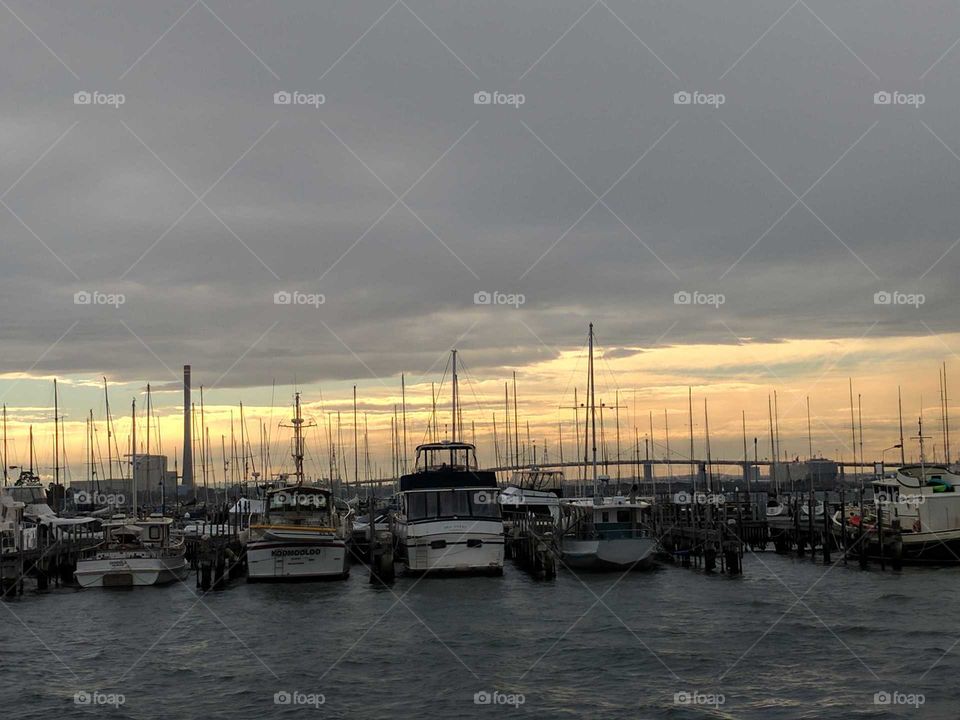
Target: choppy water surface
[789,639]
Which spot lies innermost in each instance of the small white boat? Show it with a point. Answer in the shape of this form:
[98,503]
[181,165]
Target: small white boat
[134,553]
[531,492]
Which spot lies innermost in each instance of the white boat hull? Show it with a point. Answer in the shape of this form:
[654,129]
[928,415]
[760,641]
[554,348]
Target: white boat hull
[452,547]
[612,554]
[277,559]
[130,572]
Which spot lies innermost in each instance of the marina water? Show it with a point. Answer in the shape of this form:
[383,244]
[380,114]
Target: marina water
[789,638]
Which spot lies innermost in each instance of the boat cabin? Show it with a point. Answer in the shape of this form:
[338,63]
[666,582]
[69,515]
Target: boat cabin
[153,531]
[447,484]
[298,505]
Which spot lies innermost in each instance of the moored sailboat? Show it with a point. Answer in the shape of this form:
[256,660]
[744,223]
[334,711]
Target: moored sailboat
[605,533]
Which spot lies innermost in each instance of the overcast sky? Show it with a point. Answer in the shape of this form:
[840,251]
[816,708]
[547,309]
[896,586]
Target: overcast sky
[784,186]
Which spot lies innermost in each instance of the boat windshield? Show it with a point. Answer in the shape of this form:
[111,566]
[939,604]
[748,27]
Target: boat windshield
[458,504]
[297,500]
[442,456]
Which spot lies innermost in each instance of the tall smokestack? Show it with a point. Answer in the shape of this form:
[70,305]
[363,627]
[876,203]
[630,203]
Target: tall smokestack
[187,439]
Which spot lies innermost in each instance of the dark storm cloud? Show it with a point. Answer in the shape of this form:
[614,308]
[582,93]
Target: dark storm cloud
[399,199]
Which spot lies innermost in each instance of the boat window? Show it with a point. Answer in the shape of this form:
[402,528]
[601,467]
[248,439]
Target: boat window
[604,517]
[431,499]
[417,506]
[454,503]
[484,504]
[623,516]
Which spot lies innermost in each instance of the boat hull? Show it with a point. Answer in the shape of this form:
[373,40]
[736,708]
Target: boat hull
[277,559]
[130,572]
[442,548]
[608,554]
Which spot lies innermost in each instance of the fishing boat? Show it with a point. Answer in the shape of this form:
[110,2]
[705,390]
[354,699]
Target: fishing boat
[134,553]
[924,500]
[605,532]
[449,520]
[302,535]
[920,504]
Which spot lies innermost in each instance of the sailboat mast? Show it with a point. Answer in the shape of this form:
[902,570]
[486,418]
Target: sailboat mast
[453,420]
[56,435]
[6,460]
[809,434]
[693,468]
[593,411]
[133,456]
[356,446]
[946,415]
[403,400]
[516,422]
[506,430]
[903,456]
